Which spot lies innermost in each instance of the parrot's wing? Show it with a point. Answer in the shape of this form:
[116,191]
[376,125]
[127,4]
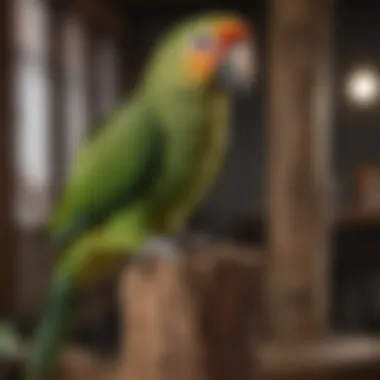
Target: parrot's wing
[118,164]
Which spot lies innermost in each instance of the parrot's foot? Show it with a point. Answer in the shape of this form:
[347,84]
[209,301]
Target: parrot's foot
[160,247]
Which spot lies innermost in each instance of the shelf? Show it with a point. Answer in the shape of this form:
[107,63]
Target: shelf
[333,355]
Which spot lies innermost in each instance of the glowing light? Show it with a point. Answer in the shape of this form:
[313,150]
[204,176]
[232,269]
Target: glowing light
[363,87]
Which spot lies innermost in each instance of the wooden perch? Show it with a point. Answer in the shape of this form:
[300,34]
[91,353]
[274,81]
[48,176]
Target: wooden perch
[201,320]
[190,321]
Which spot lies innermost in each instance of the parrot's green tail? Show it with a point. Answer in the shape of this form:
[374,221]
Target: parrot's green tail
[53,329]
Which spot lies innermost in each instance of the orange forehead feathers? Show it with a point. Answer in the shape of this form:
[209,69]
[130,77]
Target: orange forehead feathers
[230,31]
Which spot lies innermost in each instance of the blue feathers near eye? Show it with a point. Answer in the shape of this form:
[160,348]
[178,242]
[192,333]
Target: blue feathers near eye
[203,42]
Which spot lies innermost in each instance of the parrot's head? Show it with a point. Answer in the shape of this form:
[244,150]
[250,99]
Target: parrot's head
[214,49]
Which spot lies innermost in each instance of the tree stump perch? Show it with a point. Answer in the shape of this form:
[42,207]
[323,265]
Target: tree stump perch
[193,320]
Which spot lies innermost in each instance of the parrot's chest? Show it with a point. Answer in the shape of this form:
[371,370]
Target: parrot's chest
[211,152]
[201,169]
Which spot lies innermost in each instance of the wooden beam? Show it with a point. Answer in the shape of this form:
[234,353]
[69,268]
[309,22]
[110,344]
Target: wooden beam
[339,355]
[345,357]
[298,169]
[333,356]
[7,230]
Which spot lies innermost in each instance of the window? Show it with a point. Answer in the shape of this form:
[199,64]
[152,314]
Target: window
[32,111]
[33,107]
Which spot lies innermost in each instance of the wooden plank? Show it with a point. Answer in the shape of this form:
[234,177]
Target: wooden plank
[298,169]
[7,229]
[343,355]
[334,355]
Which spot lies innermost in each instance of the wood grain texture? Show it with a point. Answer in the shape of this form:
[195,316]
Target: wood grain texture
[337,357]
[298,117]
[192,321]
[7,227]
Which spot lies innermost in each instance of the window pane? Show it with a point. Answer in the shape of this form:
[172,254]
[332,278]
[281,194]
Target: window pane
[32,116]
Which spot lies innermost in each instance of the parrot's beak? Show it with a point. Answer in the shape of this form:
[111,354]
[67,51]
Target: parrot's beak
[237,64]
[238,67]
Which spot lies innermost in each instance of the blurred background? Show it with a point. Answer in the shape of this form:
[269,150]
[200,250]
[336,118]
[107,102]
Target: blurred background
[65,65]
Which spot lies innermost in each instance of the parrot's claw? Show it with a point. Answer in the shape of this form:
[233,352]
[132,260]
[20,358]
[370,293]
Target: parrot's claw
[160,247]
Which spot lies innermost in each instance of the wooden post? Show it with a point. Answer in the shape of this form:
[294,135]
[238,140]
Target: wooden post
[7,230]
[191,321]
[298,170]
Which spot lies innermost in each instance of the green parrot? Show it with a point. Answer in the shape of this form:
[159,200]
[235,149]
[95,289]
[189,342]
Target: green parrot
[144,172]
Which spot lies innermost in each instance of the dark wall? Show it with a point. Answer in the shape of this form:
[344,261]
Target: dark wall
[356,132]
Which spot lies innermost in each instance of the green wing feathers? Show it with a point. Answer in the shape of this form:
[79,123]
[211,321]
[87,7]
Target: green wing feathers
[113,169]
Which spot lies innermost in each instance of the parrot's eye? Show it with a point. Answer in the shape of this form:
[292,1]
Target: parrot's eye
[203,42]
